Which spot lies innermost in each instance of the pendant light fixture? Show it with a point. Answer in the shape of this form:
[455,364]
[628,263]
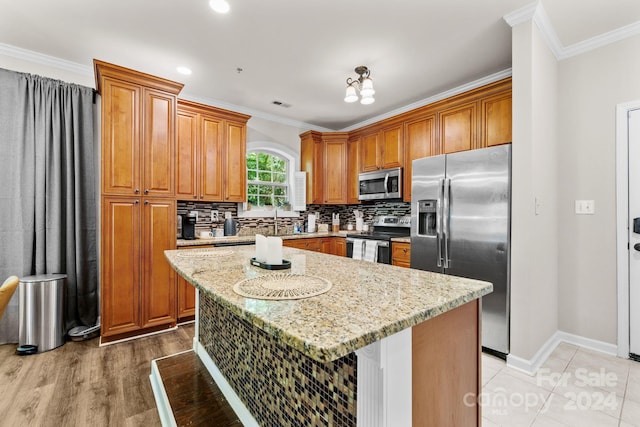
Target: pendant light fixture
[363,83]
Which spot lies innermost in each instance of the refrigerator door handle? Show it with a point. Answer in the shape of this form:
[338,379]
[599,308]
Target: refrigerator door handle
[439,221]
[445,220]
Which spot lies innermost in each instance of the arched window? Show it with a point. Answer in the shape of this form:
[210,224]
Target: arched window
[268,183]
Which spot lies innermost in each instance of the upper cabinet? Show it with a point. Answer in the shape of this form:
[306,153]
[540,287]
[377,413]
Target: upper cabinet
[496,119]
[324,158]
[211,154]
[138,131]
[458,129]
[420,137]
[382,149]
[475,119]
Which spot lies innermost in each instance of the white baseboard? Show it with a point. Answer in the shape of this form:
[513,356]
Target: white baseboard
[531,366]
[241,411]
[160,395]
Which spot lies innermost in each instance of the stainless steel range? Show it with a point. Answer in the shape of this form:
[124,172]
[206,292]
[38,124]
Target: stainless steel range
[375,246]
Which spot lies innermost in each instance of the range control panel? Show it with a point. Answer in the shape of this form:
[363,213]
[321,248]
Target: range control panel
[392,221]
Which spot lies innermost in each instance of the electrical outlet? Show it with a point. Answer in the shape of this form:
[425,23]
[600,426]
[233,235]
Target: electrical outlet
[585,207]
[214,216]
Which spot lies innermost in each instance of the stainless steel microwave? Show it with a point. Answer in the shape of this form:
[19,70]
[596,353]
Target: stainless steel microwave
[382,184]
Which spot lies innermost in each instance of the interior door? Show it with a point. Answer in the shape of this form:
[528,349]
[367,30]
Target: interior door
[634,237]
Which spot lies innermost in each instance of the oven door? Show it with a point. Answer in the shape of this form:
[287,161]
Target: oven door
[383,246]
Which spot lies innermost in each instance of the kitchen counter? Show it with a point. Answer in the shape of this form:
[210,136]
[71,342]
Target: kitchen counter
[368,301]
[401,239]
[377,346]
[244,239]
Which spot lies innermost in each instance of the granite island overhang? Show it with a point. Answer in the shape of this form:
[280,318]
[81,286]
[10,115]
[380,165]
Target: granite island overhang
[368,304]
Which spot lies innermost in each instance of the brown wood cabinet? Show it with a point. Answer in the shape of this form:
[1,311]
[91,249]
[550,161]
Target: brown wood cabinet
[475,119]
[382,149]
[138,133]
[353,170]
[187,294]
[458,128]
[211,154]
[340,246]
[138,284]
[138,290]
[401,254]
[310,244]
[420,136]
[326,245]
[324,158]
[496,119]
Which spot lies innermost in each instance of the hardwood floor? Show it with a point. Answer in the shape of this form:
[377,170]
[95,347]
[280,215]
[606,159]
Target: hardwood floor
[195,398]
[81,384]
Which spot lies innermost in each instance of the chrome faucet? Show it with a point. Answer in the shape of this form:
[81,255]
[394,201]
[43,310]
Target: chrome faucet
[275,222]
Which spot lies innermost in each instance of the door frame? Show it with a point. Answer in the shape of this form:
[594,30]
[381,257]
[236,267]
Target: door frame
[622,221]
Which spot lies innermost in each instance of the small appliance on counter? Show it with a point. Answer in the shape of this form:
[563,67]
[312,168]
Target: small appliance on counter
[189,226]
[230,225]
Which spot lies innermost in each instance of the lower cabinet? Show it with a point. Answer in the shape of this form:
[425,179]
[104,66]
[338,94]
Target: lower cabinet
[340,246]
[401,254]
[138,285]
[187,294]
[326,245]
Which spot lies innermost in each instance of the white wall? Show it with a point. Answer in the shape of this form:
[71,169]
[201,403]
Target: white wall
[534,256]
[54,72]
[591,85]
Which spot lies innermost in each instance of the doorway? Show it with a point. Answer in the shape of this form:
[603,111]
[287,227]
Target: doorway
[628,236]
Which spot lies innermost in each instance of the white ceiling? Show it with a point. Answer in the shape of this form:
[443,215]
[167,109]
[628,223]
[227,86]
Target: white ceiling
[299,52]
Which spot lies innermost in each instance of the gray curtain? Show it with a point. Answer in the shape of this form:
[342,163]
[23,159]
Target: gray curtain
[48,191]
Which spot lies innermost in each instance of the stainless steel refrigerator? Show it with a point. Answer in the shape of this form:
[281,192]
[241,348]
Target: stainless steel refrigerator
[460,225]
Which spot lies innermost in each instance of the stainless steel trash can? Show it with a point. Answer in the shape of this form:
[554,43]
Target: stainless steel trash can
[42,301]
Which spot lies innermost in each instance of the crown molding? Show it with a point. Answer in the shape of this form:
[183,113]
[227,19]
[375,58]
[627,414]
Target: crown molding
[535,12]
[521,15]
[541,19]
[601,40]
[41,58]
[435,98]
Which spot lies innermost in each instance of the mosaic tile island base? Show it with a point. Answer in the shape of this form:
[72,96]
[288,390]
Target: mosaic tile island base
[292,362]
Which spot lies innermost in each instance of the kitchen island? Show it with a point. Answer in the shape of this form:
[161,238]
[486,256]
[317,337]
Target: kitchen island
[383,346]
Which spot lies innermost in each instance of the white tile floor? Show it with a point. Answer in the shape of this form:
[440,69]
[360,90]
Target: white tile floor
[575,387]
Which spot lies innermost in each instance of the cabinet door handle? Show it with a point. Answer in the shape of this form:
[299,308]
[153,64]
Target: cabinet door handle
[146,202]
[146,191]
[137,191]
[195,197]
[136,202]
[202,196]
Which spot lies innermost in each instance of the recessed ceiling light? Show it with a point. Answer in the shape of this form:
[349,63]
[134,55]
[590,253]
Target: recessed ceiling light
[220,6]
[184,70]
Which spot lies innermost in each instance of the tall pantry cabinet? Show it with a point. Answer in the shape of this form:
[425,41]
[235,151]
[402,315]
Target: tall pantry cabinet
[138,221]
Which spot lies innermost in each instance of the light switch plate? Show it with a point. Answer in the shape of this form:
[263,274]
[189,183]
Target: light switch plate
[585,207]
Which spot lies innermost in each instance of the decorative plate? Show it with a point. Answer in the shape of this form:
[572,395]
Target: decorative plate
[282,286]
[204,254]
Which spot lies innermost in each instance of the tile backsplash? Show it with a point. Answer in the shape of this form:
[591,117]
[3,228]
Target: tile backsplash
[250,226]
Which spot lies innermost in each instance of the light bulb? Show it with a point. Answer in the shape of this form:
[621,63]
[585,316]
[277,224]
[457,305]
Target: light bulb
[366,100]
[220,6]
[367,88]
[350,95]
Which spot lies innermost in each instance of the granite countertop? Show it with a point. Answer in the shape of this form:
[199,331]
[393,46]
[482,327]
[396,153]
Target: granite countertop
[368,301]
[401,239]
[243,239]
